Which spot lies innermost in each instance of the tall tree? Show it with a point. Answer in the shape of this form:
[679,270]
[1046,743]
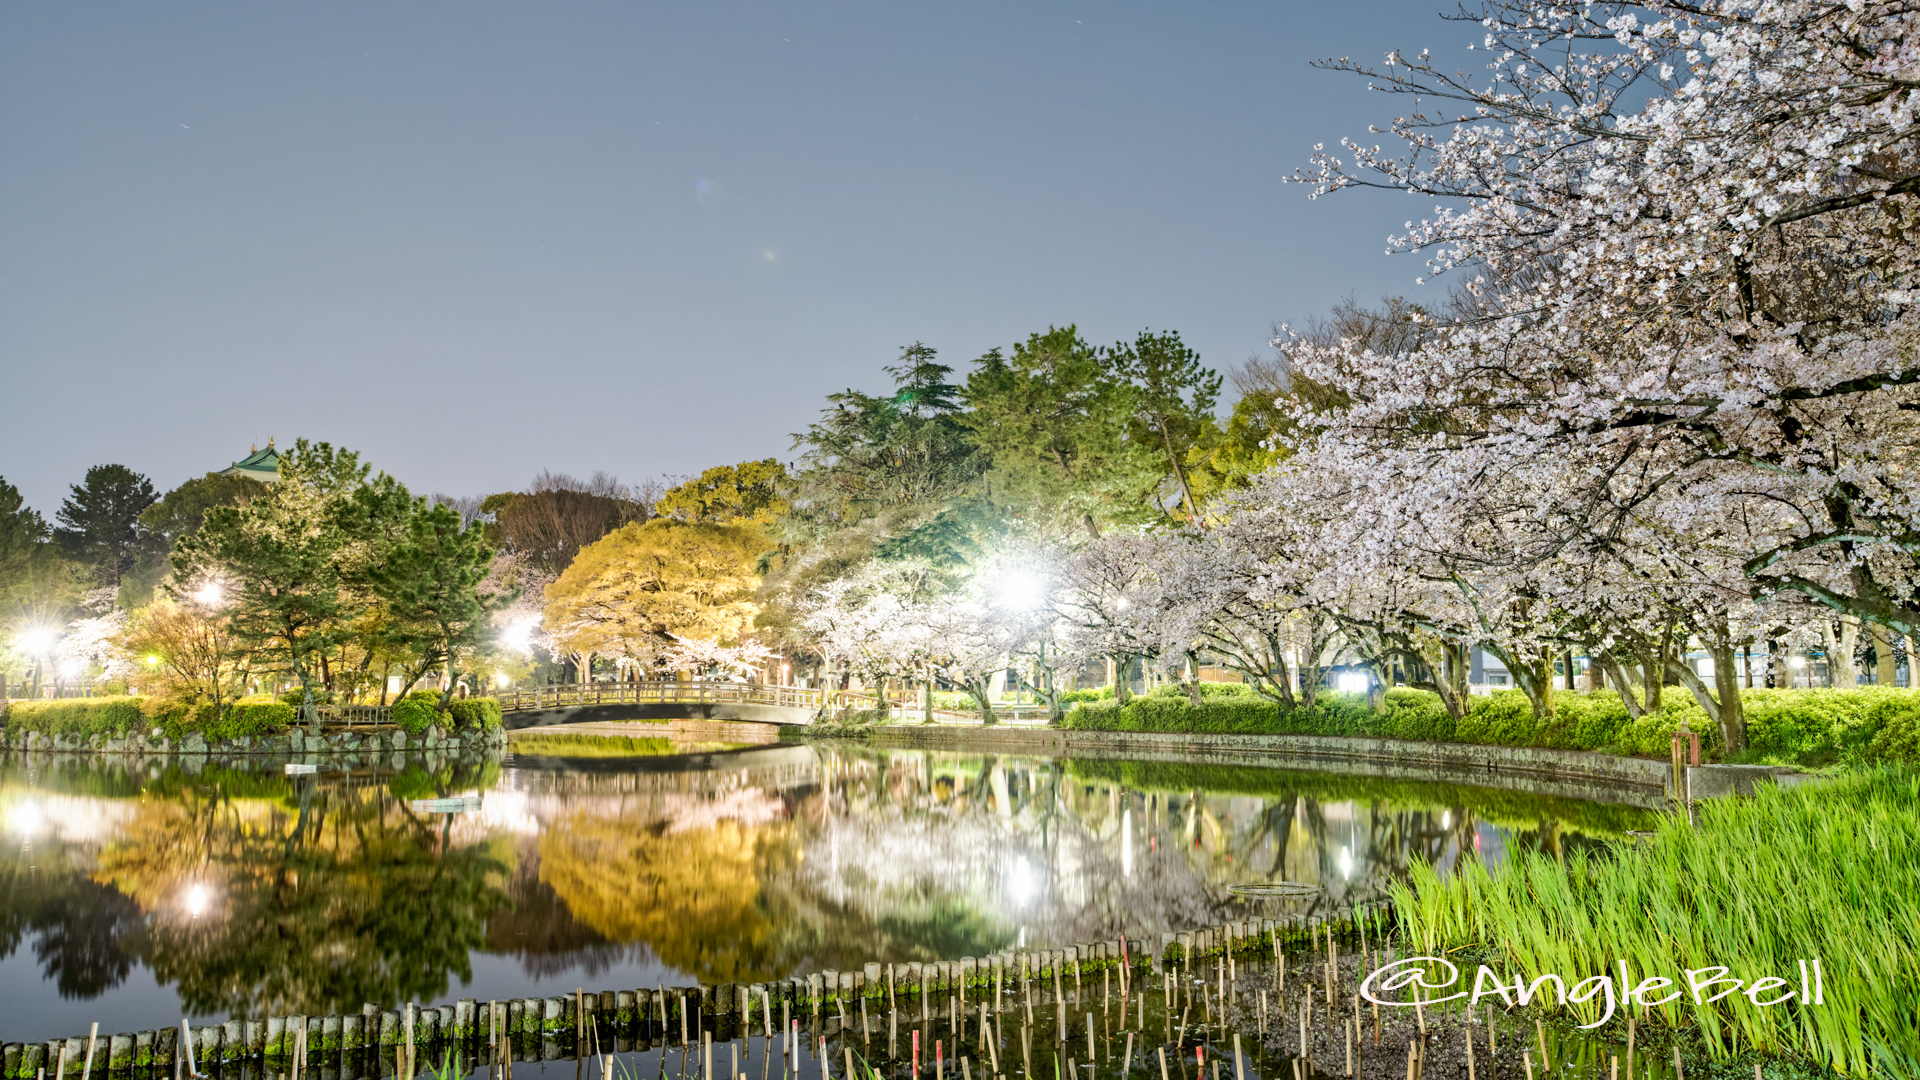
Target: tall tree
[868,455]
[178,513]
[1173,400]
[100,521]
[558,515]
[724,493]
[294,565]
[430,584]
[633,592]
[1052,419]
[23,536]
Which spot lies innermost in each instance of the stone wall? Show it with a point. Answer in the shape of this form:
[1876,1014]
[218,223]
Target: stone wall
[1456,762]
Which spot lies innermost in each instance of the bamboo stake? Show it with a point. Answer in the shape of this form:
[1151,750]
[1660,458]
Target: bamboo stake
[1526,1058]
[1470,1070]
[1163,1064]
[1540,1029]
[93,1036]
[1629,1043]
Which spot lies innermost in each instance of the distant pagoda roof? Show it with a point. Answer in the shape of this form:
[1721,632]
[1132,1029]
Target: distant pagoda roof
[263,464]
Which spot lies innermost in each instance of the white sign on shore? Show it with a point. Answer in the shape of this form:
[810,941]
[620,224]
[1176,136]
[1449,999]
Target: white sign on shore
[462,805]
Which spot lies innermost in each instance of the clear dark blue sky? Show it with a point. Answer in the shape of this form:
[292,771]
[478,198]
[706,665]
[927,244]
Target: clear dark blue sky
[474,240]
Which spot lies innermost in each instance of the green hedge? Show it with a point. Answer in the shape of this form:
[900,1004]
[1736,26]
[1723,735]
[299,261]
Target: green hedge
[1809,727]
[76,716]
[416,712]
[481,713]
[124,715]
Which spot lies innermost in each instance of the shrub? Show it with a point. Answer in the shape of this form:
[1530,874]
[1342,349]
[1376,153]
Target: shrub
[416,712]
[252,716]
[297,698]
[481,713]
[76,716]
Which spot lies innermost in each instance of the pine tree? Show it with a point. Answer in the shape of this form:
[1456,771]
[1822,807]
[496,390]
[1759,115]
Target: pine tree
[100,522]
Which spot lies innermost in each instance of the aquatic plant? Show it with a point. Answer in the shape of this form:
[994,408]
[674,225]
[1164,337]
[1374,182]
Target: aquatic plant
[1756,885]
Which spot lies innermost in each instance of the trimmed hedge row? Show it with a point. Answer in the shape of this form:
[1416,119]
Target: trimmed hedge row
[258,715]
[1809,727]
[125,715]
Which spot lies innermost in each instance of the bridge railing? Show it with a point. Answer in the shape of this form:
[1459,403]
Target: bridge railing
[664,691]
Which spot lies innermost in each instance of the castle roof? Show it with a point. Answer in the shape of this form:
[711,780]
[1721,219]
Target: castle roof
[263,463]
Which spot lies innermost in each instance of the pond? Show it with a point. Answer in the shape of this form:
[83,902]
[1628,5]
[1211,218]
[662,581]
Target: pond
[134,897]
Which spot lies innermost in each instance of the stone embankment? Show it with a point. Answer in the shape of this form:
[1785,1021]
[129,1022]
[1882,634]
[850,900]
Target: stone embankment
[574,1025]
[294,743]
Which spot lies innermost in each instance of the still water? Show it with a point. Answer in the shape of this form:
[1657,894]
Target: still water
[136,897]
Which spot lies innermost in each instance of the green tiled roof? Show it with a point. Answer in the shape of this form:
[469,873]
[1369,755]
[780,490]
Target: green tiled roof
[262,464]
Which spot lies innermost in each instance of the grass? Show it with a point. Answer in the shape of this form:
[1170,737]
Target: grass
[590,746]
[1829,871]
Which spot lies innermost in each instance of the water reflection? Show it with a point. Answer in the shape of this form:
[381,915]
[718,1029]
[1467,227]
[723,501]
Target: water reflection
[248,893]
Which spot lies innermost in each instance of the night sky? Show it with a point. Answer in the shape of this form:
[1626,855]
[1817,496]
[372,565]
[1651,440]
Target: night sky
[476,240]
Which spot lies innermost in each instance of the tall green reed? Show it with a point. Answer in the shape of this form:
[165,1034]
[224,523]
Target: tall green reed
[1756,885]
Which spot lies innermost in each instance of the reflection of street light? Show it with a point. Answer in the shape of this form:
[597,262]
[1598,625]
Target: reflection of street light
[198,900]
[26,818]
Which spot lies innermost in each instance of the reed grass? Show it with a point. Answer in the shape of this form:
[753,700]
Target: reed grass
[570,745]
[1756,885]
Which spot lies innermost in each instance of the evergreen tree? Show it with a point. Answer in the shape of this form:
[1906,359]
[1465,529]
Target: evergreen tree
[100,522]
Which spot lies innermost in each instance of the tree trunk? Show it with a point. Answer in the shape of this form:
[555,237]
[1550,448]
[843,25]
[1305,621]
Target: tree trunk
[1122,666]
[977,688]
[1841,668]
[1882,655]
[1622,685]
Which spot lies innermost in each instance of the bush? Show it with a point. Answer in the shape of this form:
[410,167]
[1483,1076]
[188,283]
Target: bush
[297,698]
[250,716]
[76,716]
[476,713]
[416,712]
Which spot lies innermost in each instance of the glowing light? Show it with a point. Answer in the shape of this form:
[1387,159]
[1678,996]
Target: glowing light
[198,900]
[500,679]
[37,641]
[1796,662]
[210,594]
[519,634]
[1019,590]
[1120,604]
[71,668]
[1354,682]
[27,818]
[153,661]
[1346,862]
[1126,843]
[1446,819]
[1021,882]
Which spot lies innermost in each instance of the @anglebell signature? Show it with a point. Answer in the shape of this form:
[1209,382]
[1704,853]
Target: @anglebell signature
[1412,974]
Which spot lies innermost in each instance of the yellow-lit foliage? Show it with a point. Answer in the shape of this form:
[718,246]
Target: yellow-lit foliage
[696,897]
[630,591]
